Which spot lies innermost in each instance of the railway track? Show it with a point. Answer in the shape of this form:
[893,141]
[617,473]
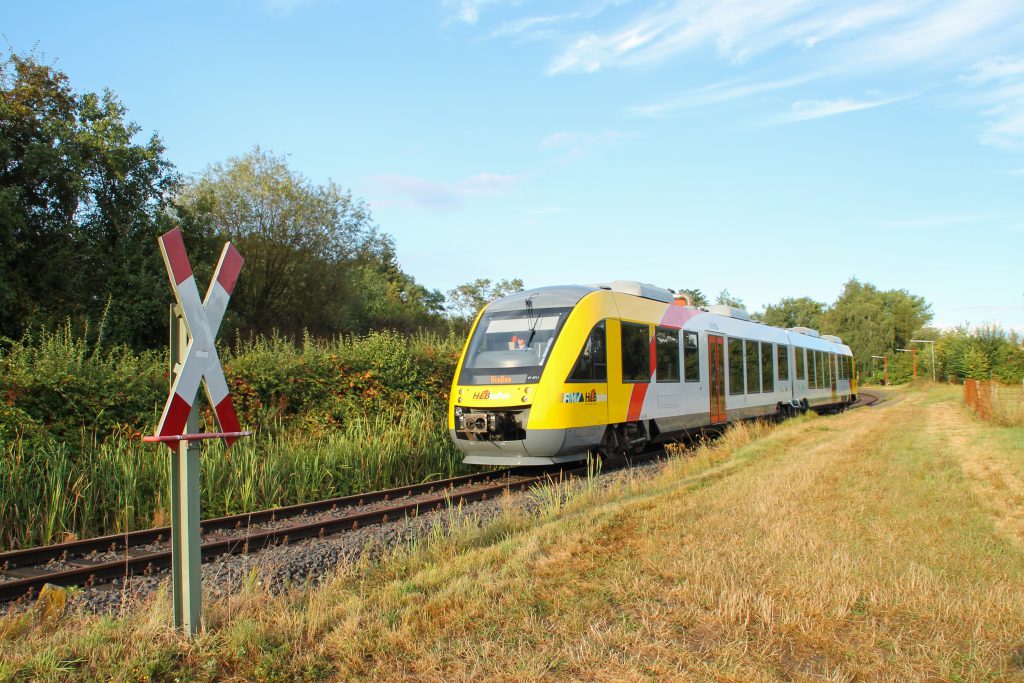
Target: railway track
[866,399]
[118,557]
[114,558]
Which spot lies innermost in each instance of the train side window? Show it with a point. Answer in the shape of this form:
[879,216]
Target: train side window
[819,365]
[782,359]
[800,359]
[767,368]
[753,364]
[636,353]
[691,357]
[735,366]
[812,372]
[666,347]
[592,365]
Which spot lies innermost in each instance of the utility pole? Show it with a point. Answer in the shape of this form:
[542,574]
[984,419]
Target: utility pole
[885,361]
[912,352]
[927,341]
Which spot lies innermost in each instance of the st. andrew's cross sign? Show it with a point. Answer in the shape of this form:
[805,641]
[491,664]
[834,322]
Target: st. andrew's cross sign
[202,319]
[194,361]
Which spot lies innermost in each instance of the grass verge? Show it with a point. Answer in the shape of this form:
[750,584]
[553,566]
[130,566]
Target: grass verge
[844,548]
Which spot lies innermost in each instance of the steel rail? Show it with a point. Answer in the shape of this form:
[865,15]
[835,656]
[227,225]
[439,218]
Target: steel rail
[26,564]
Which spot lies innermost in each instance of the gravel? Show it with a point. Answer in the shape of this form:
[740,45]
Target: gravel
[312,560]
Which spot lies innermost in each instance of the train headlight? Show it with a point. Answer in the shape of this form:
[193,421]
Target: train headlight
[458,411]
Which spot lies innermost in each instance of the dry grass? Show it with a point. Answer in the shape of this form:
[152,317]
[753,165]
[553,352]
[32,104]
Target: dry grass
[843,548]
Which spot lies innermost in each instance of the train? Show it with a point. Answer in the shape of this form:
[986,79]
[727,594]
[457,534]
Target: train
[550,375]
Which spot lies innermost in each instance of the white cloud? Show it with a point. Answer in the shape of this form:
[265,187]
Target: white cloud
[468,11]
[805,110]
[436,195]
[998,85]
[283,6]
[942,31]
[714,94]
[911,41]
[576,144]
[736,29]
[943,221]
[995,69]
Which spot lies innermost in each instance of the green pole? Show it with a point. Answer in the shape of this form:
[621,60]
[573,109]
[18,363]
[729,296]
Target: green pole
[186,565]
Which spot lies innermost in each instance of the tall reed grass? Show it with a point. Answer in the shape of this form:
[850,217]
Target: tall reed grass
[50,491]
[332,417]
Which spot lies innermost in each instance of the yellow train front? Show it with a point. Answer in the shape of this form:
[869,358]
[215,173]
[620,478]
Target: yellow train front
[552,373]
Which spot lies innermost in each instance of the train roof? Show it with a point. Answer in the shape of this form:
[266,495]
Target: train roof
[558,296]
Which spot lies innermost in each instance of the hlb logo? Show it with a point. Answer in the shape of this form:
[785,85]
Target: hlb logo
[487,394]
[579,397]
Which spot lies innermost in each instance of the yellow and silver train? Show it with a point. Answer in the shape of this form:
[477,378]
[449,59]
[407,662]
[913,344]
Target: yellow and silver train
[549,374]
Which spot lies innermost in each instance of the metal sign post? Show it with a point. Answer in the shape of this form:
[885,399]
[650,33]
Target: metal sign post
[193,361]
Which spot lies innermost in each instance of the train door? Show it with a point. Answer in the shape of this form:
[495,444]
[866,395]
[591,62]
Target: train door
[716,376]
[832,365]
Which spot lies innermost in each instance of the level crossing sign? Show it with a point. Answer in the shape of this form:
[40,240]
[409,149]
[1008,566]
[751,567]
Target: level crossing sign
[202,319]
[194,323]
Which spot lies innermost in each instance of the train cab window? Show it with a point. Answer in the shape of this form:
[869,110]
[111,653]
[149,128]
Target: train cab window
[691,357]
[666,353]
[592,365]
[513,345]
[753,364]
[636,353]
[735,366]
[767,368]
[782,360]
[812,371]
[800,361]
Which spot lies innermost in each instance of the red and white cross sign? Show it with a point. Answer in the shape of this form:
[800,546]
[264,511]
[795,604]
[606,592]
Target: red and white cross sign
[203,319]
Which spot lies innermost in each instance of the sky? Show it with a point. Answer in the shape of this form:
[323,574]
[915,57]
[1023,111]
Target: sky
[773,149]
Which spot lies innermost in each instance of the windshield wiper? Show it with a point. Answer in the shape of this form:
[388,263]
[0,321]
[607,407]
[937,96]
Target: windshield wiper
[530,321]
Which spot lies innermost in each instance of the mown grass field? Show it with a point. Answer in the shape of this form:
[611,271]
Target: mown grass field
[881,544]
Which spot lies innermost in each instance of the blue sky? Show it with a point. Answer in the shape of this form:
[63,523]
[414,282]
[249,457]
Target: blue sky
[771,148]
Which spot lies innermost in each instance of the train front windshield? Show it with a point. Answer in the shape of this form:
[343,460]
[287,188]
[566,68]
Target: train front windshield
[511,347]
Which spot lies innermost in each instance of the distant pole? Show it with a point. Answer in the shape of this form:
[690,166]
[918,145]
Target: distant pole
[912,352]
[932,342]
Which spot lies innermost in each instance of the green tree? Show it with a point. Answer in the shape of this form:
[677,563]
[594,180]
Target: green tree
[81,204]
[875,322]
[314,259]
[724,298]
[793,312]
[466,300]
[697,298]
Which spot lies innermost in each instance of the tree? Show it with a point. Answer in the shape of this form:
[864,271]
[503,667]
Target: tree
[724,298]
[793,312]
[80,207]
[466,300]
[697,297]
[875,322]
[314,259]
